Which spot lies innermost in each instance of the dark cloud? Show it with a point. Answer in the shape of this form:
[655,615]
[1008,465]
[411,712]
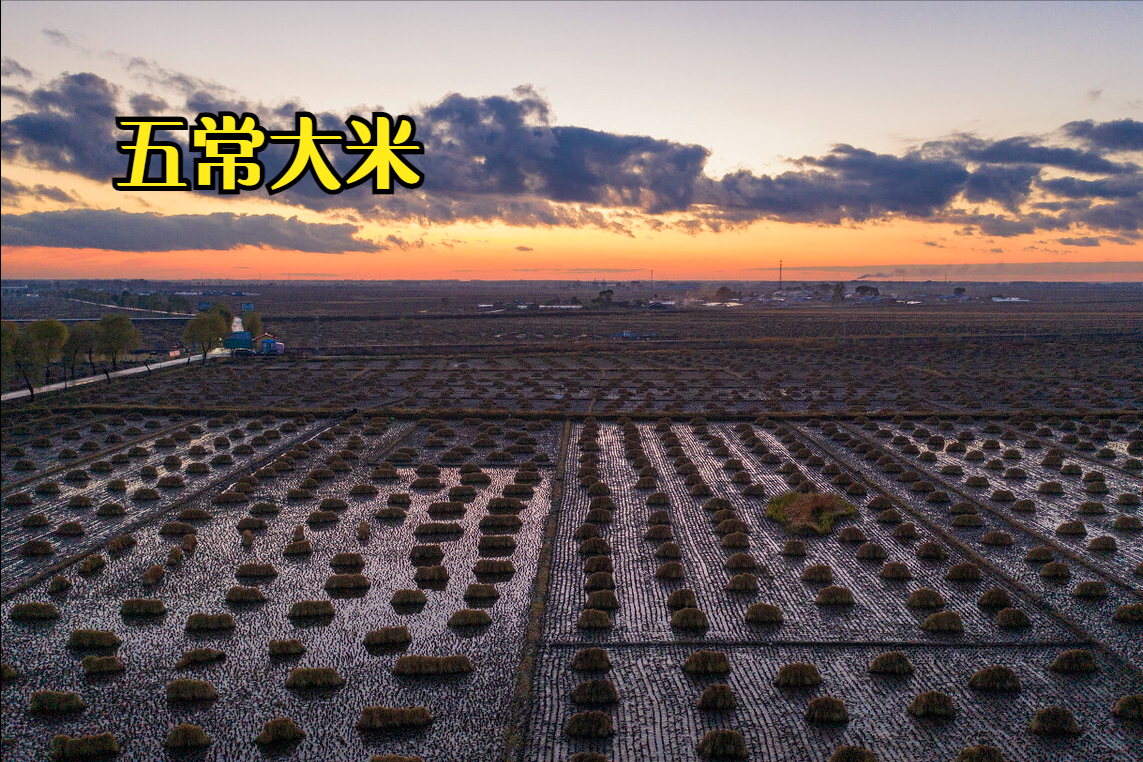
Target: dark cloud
[1009,186]
[14,193]
[499,158]
[145,104]
[1025,150]
[124,231]
[11,68]
[68,126]
[1086,240]
[847,183]
[524,248]
[1119,135]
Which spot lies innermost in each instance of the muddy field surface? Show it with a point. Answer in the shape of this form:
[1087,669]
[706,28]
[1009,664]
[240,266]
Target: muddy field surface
[469,710]
[656,715]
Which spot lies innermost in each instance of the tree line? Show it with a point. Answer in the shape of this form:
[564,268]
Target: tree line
[31,350]
[207,330]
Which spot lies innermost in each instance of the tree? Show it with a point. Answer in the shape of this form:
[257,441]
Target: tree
[724,294]
[222,310]
[117,336]
[206,329]
[252,322]
[47,337]
[838,293]
[26,359]
[9,333]
[81,340]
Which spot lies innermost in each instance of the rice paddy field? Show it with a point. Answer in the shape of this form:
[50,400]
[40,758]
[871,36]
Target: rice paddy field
[899,551]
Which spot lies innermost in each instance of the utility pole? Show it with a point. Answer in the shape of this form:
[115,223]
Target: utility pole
[779,275]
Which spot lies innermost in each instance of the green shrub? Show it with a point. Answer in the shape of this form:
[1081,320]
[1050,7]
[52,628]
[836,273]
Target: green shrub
[812,513]
[834,596]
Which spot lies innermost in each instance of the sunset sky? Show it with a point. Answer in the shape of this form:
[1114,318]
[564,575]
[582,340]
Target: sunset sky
[982,141]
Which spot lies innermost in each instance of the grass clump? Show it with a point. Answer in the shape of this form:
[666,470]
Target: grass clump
[89,640]
[388,639]
[279,731]
[469,618]
[346,582]
[994,678]
[311,610]
[595,692]
[1077,660]
[240,594]
[589,724]
[256,571]
[834,596]
[764,613]
[891,663]
[1012,619]
[593,619]
[197,656]
[290,647]
[387,718]
[591,660]
[716,698]
[932,704]
[742,583]
[980,753]
[56,702]
[142,607]
[33,611]
[67,748]
[304,678]
[808,513]
[1128,613]
[210,622]
[943,622]
[996,598]
[707,663]
[187,736]
[723,744]
[185,690]
[1128,708]
[1054,721]
[798,675]
[432,665]
[963,572]
[690,619]
[827,709]
[408,598]
[669,570]
[818,574]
